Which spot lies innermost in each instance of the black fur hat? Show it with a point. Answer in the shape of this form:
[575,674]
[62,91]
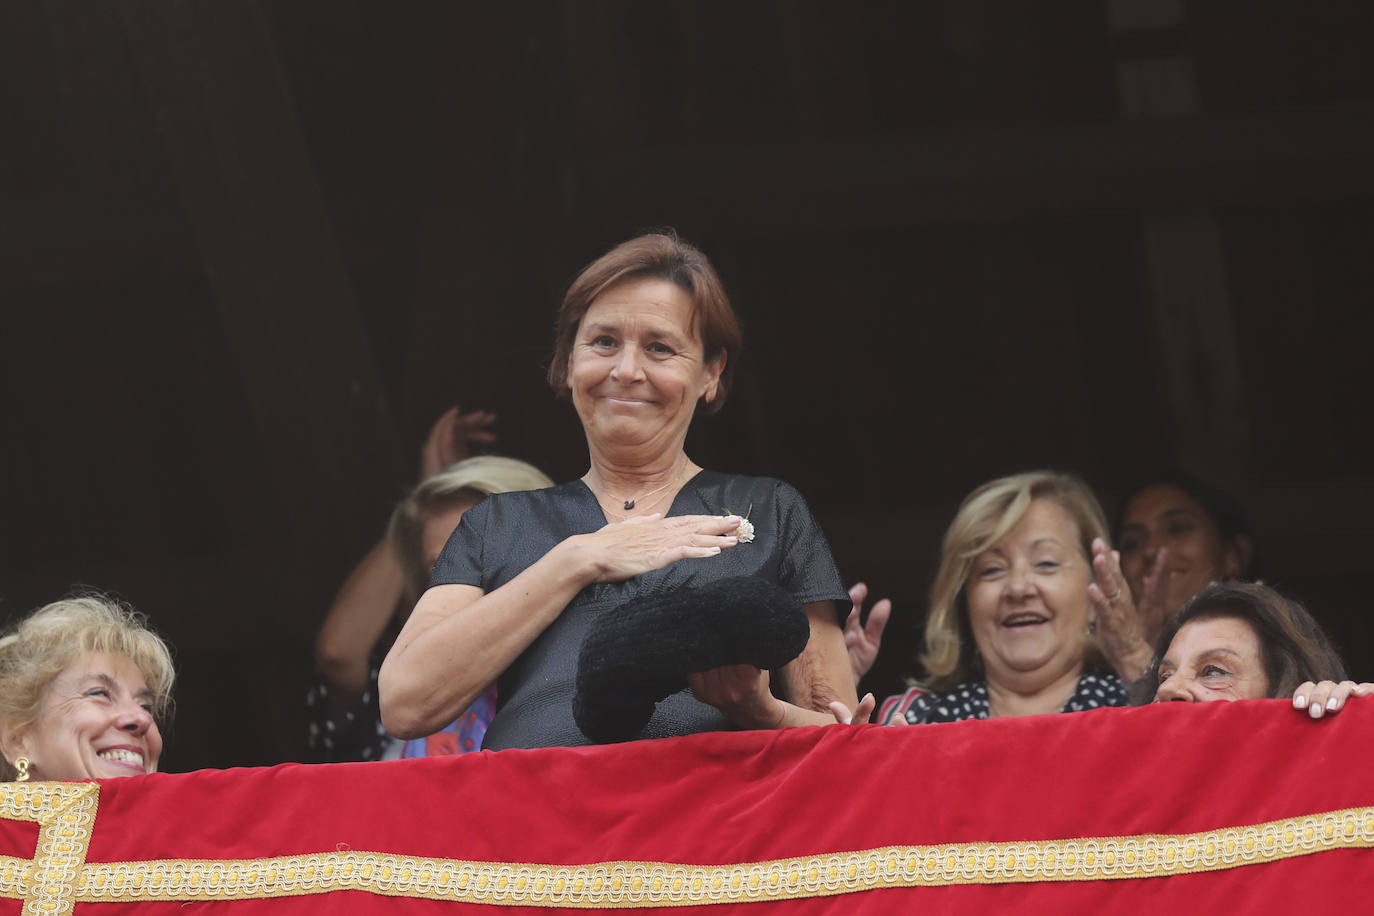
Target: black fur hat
[642,651]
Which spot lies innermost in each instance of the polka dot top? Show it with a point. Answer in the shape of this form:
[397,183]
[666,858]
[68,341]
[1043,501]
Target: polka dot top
[970,700]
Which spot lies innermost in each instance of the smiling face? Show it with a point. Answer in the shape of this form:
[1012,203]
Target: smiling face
[1165,516]
[1028,597]
[1215,659]
[637,371]
[96,723]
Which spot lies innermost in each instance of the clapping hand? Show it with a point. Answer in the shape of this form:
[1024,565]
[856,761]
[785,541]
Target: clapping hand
[1120,630]
[862,641]
[451,439]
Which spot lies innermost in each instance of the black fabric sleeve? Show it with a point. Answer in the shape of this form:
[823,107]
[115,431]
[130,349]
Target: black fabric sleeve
[806,568]
[462,560]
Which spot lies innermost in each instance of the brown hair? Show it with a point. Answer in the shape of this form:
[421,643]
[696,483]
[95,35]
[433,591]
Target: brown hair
[1292,643]
[1222,510]
[985,516]
[662,256]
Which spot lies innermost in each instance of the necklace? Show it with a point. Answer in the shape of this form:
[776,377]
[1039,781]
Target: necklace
[633,501]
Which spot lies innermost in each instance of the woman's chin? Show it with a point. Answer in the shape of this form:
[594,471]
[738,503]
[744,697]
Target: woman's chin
[625,433]
[1029,662]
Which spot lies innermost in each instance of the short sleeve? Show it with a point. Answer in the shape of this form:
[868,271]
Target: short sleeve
[462,560]
[806,567]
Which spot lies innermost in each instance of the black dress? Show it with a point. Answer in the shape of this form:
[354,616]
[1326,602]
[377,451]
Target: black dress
[506,533]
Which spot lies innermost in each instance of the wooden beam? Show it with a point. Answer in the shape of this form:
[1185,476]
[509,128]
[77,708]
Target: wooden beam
[1185,283]
[826,58]
[992,173]
[594,36]
[905,179]
[226,119]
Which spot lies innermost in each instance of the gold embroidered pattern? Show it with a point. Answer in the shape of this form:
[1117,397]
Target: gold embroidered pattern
[65,814]
[14,875]
[57,877]
[35,801]
[638,884]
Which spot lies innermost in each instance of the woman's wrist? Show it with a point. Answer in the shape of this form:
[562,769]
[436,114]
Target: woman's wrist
[574,554]
[763,711]
[1132,664]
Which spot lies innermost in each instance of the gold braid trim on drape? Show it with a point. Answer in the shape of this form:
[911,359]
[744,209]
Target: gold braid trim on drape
[65,814]
[58,876]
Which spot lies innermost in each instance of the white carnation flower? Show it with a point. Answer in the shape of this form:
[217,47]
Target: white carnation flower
[745,531]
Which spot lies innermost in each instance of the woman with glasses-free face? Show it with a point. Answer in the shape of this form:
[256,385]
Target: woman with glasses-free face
[1167,531]
[1245,641]
[97,723]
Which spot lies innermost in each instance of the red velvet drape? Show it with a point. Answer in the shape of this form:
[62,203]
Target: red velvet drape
[722,801]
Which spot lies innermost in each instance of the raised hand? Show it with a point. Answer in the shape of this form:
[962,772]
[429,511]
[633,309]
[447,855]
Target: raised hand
[1327,696]
[1120,630]
[1152,604]
[862,641]
[451,439]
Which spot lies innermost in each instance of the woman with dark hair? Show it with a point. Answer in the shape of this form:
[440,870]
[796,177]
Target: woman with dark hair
[645,339]
[1175,534]
[1238,641]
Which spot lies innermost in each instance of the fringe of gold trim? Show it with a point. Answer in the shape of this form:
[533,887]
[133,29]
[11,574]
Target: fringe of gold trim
[611,885]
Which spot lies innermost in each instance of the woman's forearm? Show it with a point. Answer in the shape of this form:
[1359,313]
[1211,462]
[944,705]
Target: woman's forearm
[359,614]
[1130,667]
[460,639]
[764,710]
[822,674]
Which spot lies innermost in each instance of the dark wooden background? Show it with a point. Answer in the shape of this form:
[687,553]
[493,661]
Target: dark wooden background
[250,250]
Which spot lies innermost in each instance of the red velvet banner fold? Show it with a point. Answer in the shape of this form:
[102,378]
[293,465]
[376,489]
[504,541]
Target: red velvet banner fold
[1104,811]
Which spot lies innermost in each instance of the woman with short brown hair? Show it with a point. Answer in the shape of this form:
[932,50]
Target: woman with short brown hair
[645,339]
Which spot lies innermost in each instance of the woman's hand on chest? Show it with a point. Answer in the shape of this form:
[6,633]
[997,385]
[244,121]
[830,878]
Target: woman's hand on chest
[625,549]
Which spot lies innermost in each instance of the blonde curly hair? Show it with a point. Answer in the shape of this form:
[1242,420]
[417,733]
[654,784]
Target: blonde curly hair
[45,643]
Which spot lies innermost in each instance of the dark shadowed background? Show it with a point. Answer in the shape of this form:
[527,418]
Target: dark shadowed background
[250,250]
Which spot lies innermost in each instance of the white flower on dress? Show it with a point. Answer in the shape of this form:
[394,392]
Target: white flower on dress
[745,531]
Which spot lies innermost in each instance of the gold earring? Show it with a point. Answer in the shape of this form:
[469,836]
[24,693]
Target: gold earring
[21,767]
